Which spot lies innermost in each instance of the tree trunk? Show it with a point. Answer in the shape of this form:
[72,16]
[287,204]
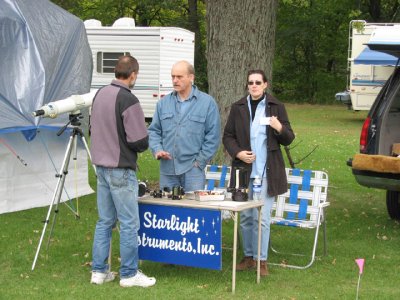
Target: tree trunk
[240,37]
[194,23]
[200,63]
[375,10]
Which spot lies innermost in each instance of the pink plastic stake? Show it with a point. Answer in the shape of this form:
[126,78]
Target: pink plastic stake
[360,263]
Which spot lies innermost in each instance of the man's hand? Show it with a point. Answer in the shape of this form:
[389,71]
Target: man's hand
[163,155]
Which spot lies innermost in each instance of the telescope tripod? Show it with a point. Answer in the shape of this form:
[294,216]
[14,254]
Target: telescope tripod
[71,150]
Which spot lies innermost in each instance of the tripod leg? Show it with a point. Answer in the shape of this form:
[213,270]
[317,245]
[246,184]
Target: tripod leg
[65,172]
[52,227]
[109,256]
[74,148]
[88,152]
[57,193]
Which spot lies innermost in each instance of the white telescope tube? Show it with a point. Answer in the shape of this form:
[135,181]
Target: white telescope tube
[71,104]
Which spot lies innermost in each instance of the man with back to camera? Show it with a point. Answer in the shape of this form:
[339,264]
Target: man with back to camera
[185,131]
[118,133]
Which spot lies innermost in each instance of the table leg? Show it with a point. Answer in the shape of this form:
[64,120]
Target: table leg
[235,218]
[259,245]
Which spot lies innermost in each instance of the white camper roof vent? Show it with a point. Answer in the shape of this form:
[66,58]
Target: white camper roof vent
[124,22]
[92,23]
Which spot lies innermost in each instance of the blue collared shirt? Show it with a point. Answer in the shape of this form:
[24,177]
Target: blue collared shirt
[258,140]
[190,136]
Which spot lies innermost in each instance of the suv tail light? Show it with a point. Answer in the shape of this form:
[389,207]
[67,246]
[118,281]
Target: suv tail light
[364,135]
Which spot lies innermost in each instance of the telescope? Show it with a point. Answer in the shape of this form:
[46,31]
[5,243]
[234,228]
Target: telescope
[72,104]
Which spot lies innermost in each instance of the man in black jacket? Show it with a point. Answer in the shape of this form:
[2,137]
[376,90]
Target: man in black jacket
[118,133]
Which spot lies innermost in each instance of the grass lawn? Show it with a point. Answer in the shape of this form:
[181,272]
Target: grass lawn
[358,226]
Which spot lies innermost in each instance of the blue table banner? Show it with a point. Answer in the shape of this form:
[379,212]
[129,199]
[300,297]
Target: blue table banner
[179,235]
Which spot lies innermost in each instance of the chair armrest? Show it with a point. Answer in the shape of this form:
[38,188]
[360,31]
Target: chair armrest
[325,204]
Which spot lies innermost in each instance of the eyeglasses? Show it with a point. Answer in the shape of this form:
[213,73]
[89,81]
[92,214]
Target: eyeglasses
[254,82]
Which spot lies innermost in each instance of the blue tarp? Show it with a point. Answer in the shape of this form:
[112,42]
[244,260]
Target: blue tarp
[371,57]
[44,56]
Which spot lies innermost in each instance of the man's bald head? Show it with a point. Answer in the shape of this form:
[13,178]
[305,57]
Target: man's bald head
[182,75]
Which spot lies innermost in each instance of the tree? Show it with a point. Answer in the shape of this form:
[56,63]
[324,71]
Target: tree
[312,39]
[384,11]
[196,20]
[312,42]
[310,61]
[240,37]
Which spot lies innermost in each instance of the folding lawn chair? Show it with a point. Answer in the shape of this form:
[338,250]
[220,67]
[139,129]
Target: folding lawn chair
[217,177]
[302,206]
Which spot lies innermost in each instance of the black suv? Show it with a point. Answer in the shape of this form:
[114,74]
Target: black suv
[380,131]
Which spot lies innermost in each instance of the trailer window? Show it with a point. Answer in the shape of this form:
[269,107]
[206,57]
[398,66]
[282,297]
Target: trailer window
[106,61]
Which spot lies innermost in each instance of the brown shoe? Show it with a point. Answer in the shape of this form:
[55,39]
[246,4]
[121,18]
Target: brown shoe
[247,263]
[263,268]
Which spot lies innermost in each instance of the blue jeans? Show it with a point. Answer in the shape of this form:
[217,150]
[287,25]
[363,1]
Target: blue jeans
[117,193]
[249,224]
[192,180]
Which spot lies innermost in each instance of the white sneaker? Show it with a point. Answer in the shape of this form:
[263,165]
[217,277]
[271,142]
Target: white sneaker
[138,280]
[100,278]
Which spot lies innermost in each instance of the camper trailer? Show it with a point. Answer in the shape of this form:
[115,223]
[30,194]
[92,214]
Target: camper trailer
[155,48]
[367,69]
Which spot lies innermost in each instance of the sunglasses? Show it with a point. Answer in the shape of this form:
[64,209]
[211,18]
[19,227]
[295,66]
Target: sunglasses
[254,82]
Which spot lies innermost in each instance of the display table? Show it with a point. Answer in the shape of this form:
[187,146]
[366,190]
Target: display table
[232,206]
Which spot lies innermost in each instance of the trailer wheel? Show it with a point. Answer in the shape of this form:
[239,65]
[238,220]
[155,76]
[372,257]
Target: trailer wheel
[393,204]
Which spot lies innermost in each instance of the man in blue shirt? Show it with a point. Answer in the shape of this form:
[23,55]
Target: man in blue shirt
[185,132]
